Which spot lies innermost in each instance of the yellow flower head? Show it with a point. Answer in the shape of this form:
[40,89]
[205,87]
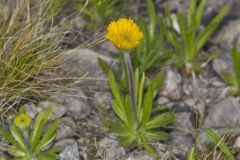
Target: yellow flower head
[124,34]
[22,120]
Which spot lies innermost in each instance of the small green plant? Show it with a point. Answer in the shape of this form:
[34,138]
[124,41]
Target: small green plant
[138,125]
[191,39]
[228,155]
[26,143]
[234,78]
[133,122]
[148,55]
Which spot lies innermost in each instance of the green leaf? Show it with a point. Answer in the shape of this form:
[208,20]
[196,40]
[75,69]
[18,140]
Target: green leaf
[158,81]
[140,98]
[220,144]
[229,78]
[22,109]
[48,155]
[118,103]
[39,125]
[158,135]
[13,151]
[147,105]
[173,39]
[209,56]
[136,83]
[208,31]
[162,28]
[105,67]
[38,128]
[182,23]
[8,138]
[191,154]
[3,158]
[49,136]
[199,12]
[115,90]
[127,140]
[152,25]
[119,128]
[160,120]
[191,12]
[149,148]
[18,136]
[119,112]
[129,114]
[236,66]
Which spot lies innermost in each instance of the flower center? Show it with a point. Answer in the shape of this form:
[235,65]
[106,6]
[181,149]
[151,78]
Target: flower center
[22,120]
[126,37]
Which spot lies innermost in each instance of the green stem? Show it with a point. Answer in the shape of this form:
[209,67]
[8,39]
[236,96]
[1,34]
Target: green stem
[131,87]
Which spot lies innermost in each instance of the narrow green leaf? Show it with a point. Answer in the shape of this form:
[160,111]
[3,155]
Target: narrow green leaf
[219,143]
[49,136]
[118,128]
[115,90]
[13,151]
[18,137]
[39,125]
[199,12]
[147,105]
[191,12]
[191,154]
[152,25]
[228,78]
[158,135]
[236,66]
[127,140]
[149,148]
[38,128]
[22,109]
[160,120]
[120,113]
[140,98]
[208,31]
[3,158]
[162,29]
[118,103]
[128,111]
[8,138]
[173,40]
[210,56]
[136,83]
[182,23]
[158,81]
[105,67]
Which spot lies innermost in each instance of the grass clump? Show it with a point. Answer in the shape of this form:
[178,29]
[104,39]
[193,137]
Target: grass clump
[27,49]
[219,150]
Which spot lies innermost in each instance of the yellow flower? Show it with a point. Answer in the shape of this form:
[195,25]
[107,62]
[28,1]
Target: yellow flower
[22,120]
[124,34]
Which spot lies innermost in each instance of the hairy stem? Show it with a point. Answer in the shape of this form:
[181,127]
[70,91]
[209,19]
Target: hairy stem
[131,88]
